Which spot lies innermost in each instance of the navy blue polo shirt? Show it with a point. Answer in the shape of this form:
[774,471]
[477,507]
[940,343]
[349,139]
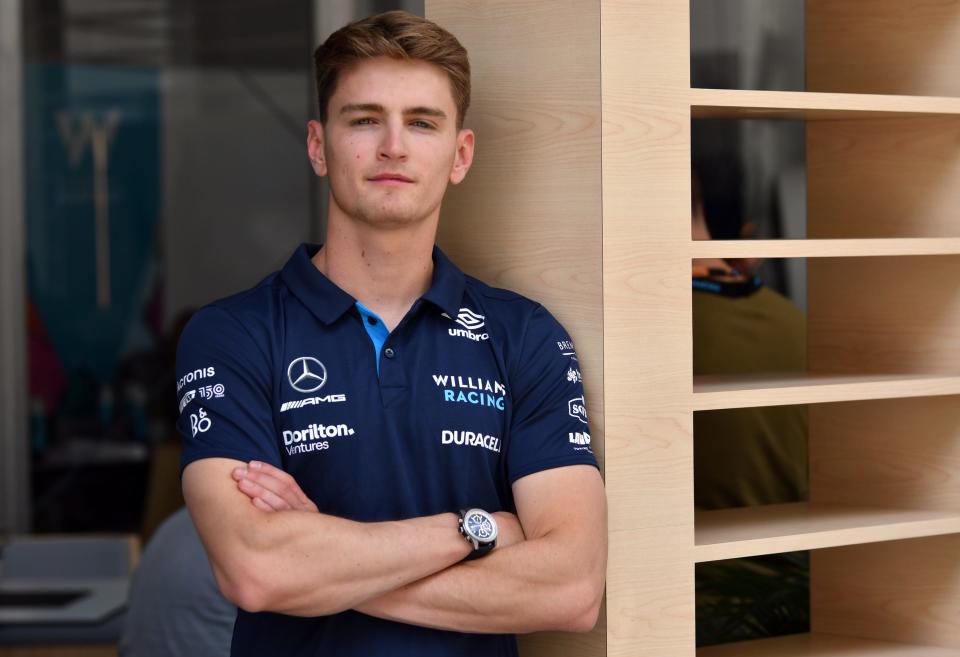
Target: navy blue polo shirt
[475,388]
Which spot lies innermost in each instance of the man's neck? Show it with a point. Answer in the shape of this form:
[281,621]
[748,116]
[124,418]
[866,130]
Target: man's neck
[386,271]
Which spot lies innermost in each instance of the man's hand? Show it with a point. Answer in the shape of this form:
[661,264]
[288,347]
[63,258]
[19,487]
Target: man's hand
[271,489]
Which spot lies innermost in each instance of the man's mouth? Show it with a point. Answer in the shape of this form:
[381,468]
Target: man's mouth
[390,177]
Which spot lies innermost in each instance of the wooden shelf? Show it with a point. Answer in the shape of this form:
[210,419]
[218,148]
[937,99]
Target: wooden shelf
[775,528]
[751,390]
[812,106]
[825,248]
[823,645]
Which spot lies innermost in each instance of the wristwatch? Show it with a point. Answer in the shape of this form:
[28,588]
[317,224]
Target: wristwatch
[479,529]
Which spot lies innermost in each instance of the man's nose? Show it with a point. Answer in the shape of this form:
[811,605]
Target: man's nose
[392,146]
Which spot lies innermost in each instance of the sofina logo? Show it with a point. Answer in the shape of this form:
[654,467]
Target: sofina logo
[577,409]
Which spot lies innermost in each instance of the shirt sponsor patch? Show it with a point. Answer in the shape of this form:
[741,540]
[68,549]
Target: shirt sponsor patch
[195,375]
[312,401]
[470,390]
[470,439]
[199,422]
[578,409]
[313,437]
[471,322]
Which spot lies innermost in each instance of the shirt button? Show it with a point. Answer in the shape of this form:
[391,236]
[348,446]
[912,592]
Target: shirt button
[388,352]
[371,321]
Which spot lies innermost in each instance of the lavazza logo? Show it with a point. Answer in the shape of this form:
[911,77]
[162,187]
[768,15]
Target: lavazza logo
[471,322]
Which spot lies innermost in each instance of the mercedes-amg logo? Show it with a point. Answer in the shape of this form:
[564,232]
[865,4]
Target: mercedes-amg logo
[306,374]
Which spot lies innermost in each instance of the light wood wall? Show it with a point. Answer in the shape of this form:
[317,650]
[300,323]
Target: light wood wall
[580,198]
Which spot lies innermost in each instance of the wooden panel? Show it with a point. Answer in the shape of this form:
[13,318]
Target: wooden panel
[747,104]
[528,217]
[645,62]
[901,453]
[829,248]
[824,645]
[905,591]
[884,315]
[883,46]
[884,178]
[775,528]
[750,390]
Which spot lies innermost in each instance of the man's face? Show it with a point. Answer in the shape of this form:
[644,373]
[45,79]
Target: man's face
[390,144]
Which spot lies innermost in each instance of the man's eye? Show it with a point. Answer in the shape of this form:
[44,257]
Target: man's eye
[364,121]
[422,124]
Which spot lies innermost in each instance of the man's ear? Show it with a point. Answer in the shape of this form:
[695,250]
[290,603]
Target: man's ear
[464,157]
[315,147]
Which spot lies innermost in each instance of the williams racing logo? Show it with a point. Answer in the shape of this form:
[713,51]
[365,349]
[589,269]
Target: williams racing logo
[470,390]
[471,322]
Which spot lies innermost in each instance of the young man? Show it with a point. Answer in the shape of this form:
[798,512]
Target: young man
[426,432]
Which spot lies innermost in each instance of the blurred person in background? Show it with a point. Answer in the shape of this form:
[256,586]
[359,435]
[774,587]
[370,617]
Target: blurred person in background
[747,456]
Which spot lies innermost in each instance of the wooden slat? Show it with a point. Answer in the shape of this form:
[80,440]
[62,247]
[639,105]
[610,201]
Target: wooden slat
[775,528]
[823,645]
[799,105]
[824,248]
[883,46]
[746,391]
[892,591]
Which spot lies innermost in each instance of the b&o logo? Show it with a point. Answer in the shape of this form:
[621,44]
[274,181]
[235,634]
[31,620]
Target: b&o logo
[199,423]
[306,374]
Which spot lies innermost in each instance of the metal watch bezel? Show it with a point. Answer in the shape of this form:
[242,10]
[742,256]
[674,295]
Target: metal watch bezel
[470,536]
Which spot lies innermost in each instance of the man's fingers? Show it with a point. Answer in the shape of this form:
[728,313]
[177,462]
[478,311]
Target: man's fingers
[281,483]
[260,504]
[258,492]
[274,486]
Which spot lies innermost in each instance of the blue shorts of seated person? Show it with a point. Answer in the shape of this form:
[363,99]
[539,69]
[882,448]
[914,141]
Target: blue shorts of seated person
[474,389]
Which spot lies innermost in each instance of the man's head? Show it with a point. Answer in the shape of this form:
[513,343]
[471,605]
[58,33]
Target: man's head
[393,89]
[397,35]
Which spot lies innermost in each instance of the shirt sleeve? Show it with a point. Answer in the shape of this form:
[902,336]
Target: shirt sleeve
[224,391]
[549,426]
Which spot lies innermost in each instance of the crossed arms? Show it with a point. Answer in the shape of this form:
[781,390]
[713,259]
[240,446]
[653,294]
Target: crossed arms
[272,551]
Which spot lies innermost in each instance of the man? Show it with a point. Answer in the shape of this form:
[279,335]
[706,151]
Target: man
[174,607]
[411,412]
[747,456]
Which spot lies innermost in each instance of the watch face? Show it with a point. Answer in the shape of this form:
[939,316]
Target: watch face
[480,525]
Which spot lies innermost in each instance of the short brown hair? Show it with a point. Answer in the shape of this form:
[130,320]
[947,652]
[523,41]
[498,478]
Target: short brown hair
[395,34]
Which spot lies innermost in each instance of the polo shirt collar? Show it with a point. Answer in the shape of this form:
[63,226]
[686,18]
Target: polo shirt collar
[446,288]
[328,302]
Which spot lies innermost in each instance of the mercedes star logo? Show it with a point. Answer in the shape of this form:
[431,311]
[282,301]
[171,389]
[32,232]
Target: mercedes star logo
[306,374]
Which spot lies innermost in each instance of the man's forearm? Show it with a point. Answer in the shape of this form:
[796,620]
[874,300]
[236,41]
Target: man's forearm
[531,586]
[317,564]
[310,564]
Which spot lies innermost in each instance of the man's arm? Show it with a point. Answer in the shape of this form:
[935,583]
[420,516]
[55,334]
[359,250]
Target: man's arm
[554,580]
[308,564]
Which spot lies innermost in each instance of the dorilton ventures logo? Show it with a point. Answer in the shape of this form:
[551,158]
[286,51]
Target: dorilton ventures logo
[306,374]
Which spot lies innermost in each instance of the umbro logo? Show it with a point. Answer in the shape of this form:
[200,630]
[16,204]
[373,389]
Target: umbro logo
[306,374]
[468,319]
